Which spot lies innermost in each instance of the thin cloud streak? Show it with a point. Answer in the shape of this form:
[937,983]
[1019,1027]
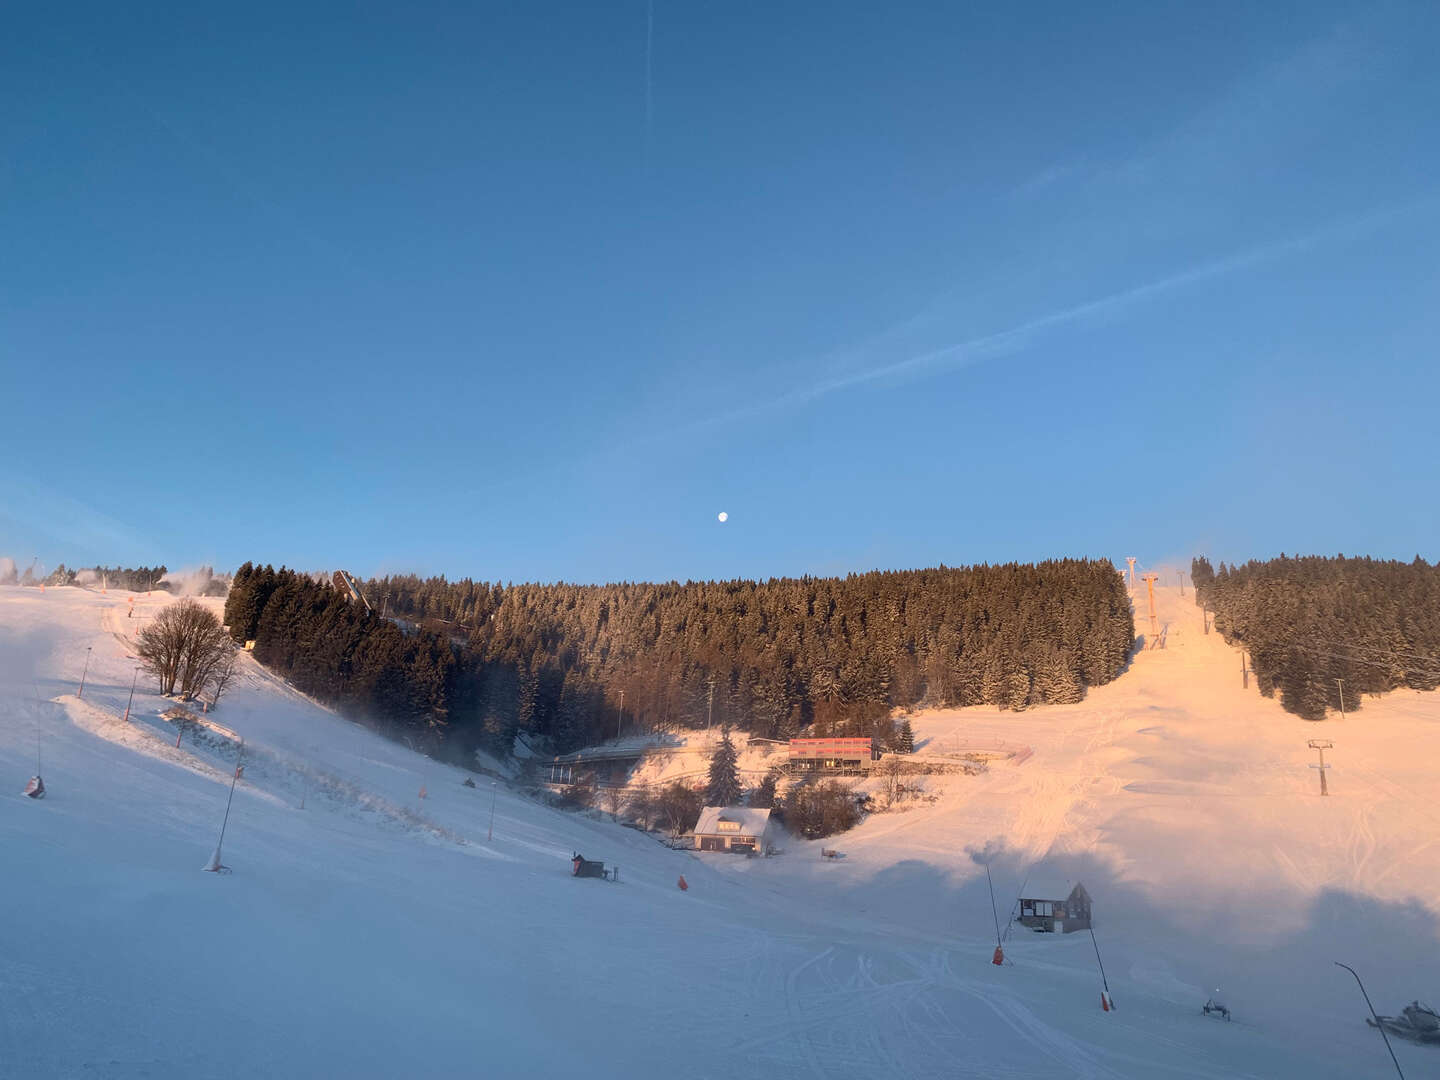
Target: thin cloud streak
[1017,338]
[68,523]
[649,77]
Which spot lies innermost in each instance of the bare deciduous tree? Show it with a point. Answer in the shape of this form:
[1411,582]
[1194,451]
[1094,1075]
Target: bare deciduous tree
[819,810]
[185,646]
[220,680]
[678,807]
[890,785]
[641,808]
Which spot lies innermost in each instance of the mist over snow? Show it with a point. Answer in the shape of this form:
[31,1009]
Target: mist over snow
[189,581]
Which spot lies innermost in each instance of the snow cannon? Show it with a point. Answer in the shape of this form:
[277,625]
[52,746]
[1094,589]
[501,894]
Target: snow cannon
[999,958]
[683,886]
[35,788]
[1417,1022]
[1422,1018]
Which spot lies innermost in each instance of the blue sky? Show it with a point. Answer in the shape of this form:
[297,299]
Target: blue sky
[493,290]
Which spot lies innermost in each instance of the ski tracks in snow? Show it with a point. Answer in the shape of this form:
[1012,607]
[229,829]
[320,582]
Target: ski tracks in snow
[844,1012]
[1071,1055]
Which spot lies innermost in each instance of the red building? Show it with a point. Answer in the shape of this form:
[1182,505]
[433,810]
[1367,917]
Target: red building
[833,755]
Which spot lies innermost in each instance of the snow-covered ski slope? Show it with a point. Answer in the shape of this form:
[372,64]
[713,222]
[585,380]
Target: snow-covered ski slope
[376,934]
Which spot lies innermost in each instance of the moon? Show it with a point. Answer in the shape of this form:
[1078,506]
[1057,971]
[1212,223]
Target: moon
[724,516]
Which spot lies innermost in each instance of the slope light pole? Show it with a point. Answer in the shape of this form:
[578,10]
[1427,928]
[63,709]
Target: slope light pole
[620,720]
[1341,684]
[494,791]
[81,692]
[1379,1025]
[131,700]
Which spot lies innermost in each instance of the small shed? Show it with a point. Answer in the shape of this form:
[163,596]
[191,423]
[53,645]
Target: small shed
[732,828]
[1055,906]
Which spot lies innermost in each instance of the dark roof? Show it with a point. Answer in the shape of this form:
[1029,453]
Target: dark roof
[1052,890]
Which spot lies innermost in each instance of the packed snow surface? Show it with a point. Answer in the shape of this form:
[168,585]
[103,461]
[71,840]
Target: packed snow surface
[374,933]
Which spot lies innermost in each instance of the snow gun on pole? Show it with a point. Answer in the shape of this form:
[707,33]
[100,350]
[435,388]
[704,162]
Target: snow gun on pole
[215,866]
[1373,1013]
[35,788]
[1107,1003]
[999,958]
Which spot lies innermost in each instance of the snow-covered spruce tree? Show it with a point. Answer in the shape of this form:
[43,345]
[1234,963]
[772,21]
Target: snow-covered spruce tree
[1017,690]
[1056,682]
[905,741]
[763,796]
[724,787]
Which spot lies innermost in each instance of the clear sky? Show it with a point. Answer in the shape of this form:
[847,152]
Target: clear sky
[531,291]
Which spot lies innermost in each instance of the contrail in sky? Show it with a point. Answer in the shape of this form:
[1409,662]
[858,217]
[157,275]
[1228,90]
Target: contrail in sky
[1017,338]
[649,83]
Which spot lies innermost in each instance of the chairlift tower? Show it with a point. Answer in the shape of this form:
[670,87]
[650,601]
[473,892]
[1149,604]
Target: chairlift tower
[1150,580]
[1320,746]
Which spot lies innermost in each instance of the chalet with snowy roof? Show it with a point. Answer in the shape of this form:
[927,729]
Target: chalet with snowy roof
[732,828]
[1060,907]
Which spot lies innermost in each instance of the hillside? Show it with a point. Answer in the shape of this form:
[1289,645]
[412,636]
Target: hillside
[376,934]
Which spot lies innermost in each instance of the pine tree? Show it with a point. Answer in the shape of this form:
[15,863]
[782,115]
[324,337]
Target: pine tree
[1017,690]
[905,743]
[724,787]
[763,797]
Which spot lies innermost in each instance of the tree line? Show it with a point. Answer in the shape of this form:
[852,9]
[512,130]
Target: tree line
[775,657]
[202,582]
[475,663]
[334,650]
[1318,628]
[572,664]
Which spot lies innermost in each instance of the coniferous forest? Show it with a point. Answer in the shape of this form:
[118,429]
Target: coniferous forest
[135,579]
[470,664]
[1318,627]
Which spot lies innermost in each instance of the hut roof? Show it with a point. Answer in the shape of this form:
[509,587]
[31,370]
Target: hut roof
[752,822]
[1053,888]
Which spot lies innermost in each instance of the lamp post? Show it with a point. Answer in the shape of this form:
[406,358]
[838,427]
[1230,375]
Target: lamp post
[494,791]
